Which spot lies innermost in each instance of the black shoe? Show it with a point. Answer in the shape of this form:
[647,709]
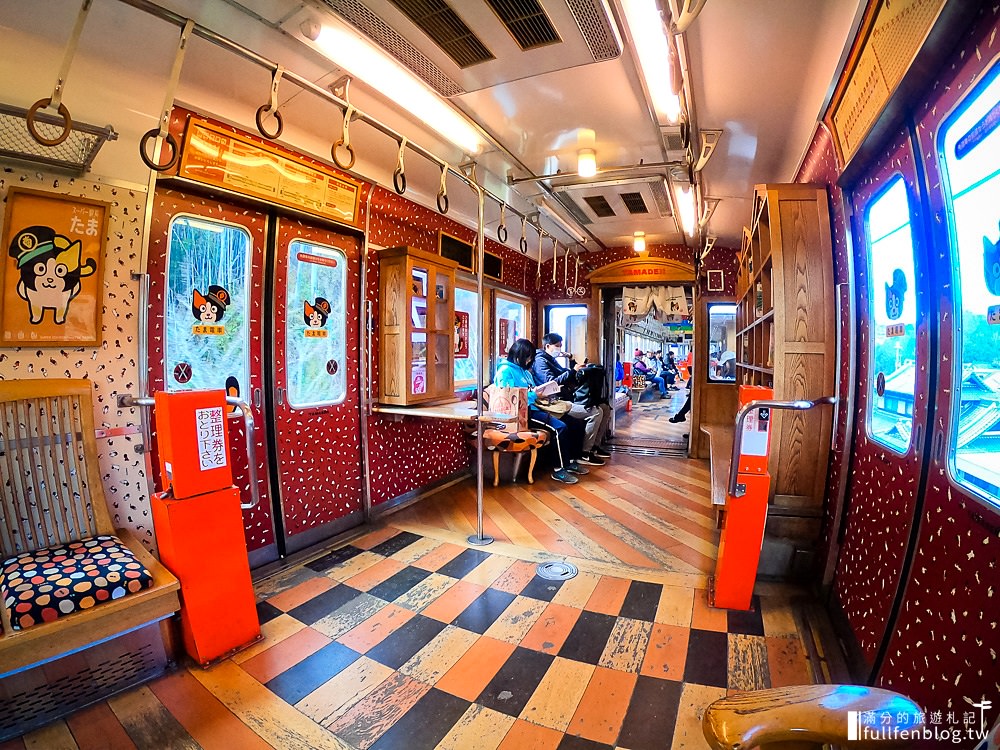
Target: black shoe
[590,458]
[600,452]
[676,418]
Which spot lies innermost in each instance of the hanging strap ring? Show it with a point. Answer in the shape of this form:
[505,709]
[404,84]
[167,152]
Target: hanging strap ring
[502,228]
[442,196]
[169,140]
[399,175]
[345,141]
[272,106]
[67,126]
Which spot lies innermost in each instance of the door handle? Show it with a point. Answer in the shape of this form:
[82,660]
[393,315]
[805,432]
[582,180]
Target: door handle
[257,397]
[281,396]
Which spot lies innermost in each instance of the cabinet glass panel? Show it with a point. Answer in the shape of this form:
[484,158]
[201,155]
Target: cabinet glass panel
[315,347]
[892,350]
[969,149]
[722,343]
[511,323]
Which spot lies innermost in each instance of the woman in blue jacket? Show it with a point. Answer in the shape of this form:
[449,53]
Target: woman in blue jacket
[515,372]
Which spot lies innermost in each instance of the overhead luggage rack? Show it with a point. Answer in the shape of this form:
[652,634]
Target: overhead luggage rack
[76,153]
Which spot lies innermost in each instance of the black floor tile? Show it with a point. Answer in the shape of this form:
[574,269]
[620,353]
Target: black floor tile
[323,604]
[324,563]
[400,645]
[267,612]
[397,585]
[589,636]
[424,725]
[297,682]
[747,622]
[484,611]
[652,714]
[569,742]
[540,588]
[511,687]
[395,544]
[707,658]
[464,564]
[641,601]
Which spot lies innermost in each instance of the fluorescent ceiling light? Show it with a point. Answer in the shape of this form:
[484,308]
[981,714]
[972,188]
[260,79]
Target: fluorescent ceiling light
[371,65]
[586,162]
[685,207]
[646,29]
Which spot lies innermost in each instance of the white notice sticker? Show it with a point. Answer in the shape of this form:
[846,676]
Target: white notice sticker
[210,424]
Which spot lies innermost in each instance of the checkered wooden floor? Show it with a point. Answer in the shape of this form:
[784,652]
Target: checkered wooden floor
[406,641]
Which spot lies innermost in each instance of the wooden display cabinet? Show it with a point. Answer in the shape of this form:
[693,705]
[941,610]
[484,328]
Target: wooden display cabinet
[416,327]
[786,340]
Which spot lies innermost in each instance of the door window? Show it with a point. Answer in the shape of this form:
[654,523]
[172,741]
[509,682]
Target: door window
[969,150]
[570,322]
[892,348]
[315,325]
[207,340]
[722,342]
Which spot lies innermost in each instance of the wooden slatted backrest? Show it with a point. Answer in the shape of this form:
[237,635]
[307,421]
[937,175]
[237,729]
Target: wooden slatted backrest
[49,474]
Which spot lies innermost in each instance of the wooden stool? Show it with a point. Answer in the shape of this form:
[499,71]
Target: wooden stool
[803,717]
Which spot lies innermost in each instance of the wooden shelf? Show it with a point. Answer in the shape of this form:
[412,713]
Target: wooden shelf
[416,334]
[786,337]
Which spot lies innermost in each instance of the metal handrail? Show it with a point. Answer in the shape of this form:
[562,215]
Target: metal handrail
[736,489]
[127,400]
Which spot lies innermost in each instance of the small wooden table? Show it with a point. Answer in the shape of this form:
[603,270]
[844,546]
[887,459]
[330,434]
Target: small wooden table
[463,411]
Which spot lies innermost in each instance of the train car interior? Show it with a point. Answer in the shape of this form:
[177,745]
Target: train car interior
[499,374]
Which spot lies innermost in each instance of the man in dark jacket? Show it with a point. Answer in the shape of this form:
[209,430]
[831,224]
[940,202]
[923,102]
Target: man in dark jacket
[596,419]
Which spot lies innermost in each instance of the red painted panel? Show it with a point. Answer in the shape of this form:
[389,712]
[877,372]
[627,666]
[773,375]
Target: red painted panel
[944,647]
[319,449]
[168,203]
[884,485]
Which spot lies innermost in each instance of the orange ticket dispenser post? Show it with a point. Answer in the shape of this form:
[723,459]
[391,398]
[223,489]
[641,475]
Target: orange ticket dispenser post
[199,525]
[746,509]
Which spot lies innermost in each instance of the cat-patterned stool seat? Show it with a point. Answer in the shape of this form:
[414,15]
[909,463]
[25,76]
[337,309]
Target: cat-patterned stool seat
[504,441]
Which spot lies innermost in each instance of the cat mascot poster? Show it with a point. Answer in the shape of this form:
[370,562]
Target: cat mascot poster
[50,277]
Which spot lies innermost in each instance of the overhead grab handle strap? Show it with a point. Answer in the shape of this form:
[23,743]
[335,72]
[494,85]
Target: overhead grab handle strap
[272,106]
[399,175]
[162,133]
[442,196]
[55,101]
[345,140]
[502,226]
[538,268]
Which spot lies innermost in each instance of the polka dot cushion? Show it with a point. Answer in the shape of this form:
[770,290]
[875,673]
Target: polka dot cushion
[46,584]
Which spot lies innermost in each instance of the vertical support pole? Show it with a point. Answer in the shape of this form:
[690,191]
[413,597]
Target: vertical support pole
[480,539]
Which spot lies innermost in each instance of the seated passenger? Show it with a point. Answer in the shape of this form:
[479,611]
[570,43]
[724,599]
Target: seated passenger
[515,372]
[596,418]
[639,365]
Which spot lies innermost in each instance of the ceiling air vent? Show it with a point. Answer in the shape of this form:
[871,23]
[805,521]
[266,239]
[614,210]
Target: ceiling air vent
[634,203]
[526,22]
[599,205]
[596,29]
[442,24]
[369,24]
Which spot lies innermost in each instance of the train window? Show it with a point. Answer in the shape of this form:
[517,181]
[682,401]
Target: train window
[207,335]
[570,322]
[722,342]
[467,344]
[892,348]
[511,322]
[315,330]
[969,150]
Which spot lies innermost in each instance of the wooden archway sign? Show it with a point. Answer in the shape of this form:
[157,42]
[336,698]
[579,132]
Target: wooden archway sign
[642,271]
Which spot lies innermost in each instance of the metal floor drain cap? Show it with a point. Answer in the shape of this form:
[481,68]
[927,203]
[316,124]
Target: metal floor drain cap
[557,571]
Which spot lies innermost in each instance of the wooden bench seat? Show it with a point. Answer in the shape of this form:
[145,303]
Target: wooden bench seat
[804,717]
[52,495]
[720,449]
